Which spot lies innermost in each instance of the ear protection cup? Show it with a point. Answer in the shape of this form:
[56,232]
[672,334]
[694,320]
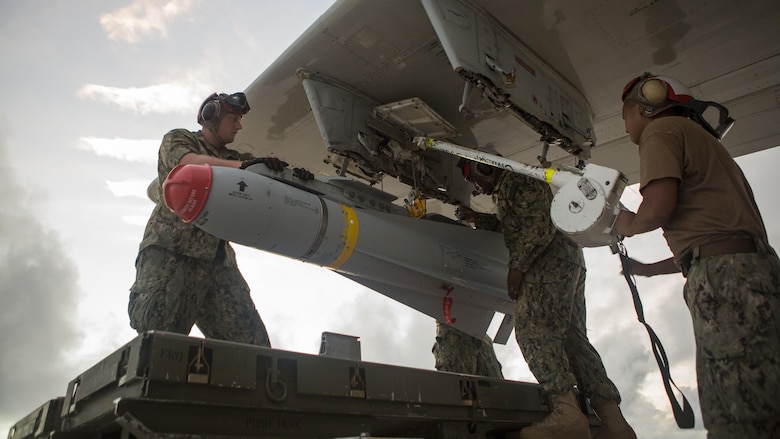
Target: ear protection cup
[484,170]
[471,168]
[654,91]
[655,94]
[211,110]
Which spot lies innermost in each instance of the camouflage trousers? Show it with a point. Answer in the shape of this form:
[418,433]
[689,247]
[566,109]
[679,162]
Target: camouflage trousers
[174,292]
[456,351]
[550,330]
[734,301]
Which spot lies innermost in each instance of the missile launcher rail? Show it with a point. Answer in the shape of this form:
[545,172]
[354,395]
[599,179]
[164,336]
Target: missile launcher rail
[164,385]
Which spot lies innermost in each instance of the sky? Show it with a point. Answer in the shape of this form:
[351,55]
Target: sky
[92,86]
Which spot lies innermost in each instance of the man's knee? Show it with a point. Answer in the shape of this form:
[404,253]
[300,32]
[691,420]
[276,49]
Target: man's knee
[149,312]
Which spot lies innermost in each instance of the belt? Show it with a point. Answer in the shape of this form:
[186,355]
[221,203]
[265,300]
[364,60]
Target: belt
[726,247]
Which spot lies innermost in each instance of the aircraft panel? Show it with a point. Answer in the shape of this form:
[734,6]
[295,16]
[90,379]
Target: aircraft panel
[725,51]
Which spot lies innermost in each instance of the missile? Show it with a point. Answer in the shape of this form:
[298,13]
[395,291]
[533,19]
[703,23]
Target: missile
[435,265]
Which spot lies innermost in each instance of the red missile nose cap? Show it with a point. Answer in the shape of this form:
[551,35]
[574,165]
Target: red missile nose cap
[186,190]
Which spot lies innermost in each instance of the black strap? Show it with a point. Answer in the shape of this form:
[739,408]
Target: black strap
[684,415]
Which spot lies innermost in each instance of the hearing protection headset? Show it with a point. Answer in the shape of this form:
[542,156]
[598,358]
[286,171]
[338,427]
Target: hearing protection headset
[469,167]
[212,108]
[655,94]
[484,170]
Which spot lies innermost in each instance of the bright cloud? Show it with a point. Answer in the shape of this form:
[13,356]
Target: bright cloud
[129,188]
[143,19]
[177,97]
[137,220]
[132,150]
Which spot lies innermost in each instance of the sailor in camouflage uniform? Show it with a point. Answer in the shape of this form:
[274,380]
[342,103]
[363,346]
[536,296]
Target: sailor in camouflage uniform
[696,192]
[185,276]
[546,279]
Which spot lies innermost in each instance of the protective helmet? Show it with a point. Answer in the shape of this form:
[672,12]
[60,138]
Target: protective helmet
[219,104]
[655,94]
[471,167]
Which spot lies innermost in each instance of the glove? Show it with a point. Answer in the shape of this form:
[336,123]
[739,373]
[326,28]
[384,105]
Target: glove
[303,174]
[272,163]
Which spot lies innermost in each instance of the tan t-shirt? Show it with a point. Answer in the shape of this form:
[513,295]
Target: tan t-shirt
[714,201]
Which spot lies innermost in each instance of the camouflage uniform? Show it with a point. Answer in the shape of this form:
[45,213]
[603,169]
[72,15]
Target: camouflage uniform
[456,351]
[550,312]
[186,276]
[735,307]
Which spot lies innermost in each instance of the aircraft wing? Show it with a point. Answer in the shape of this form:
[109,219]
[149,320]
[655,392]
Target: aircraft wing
[538,81]
[342,98]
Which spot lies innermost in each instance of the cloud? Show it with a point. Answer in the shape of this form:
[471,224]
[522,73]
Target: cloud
[39,285]
[143,20]
[174,97]
[176,91]
[136,220]
[131,150]
[129,188]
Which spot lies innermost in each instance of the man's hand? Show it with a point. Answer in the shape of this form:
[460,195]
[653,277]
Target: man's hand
[303,174]
[513,280]
[272,163]
[465,213]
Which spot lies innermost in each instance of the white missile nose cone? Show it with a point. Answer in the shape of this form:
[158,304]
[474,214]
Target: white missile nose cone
[186,190]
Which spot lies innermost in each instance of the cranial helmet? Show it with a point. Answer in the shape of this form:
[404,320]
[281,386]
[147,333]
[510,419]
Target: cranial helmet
[655,94]
[471,167]
[218,105]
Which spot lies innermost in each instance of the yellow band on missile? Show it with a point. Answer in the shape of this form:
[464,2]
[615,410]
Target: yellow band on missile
[548,175]
[349,236]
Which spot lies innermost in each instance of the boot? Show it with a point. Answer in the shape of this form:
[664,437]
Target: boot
[613,424]
[565,422]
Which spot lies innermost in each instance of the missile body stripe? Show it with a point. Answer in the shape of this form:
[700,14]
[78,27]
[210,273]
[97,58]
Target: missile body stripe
[320,233]
[349,236]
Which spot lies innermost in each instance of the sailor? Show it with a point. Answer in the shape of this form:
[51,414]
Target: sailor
[695,192]
[184,276]
[546,279]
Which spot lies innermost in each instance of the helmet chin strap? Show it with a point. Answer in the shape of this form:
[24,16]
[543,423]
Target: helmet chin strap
[215,132]
[219,139]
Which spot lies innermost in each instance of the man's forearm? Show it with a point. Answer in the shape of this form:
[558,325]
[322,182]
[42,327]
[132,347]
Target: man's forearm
[630,223]
[202,159]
